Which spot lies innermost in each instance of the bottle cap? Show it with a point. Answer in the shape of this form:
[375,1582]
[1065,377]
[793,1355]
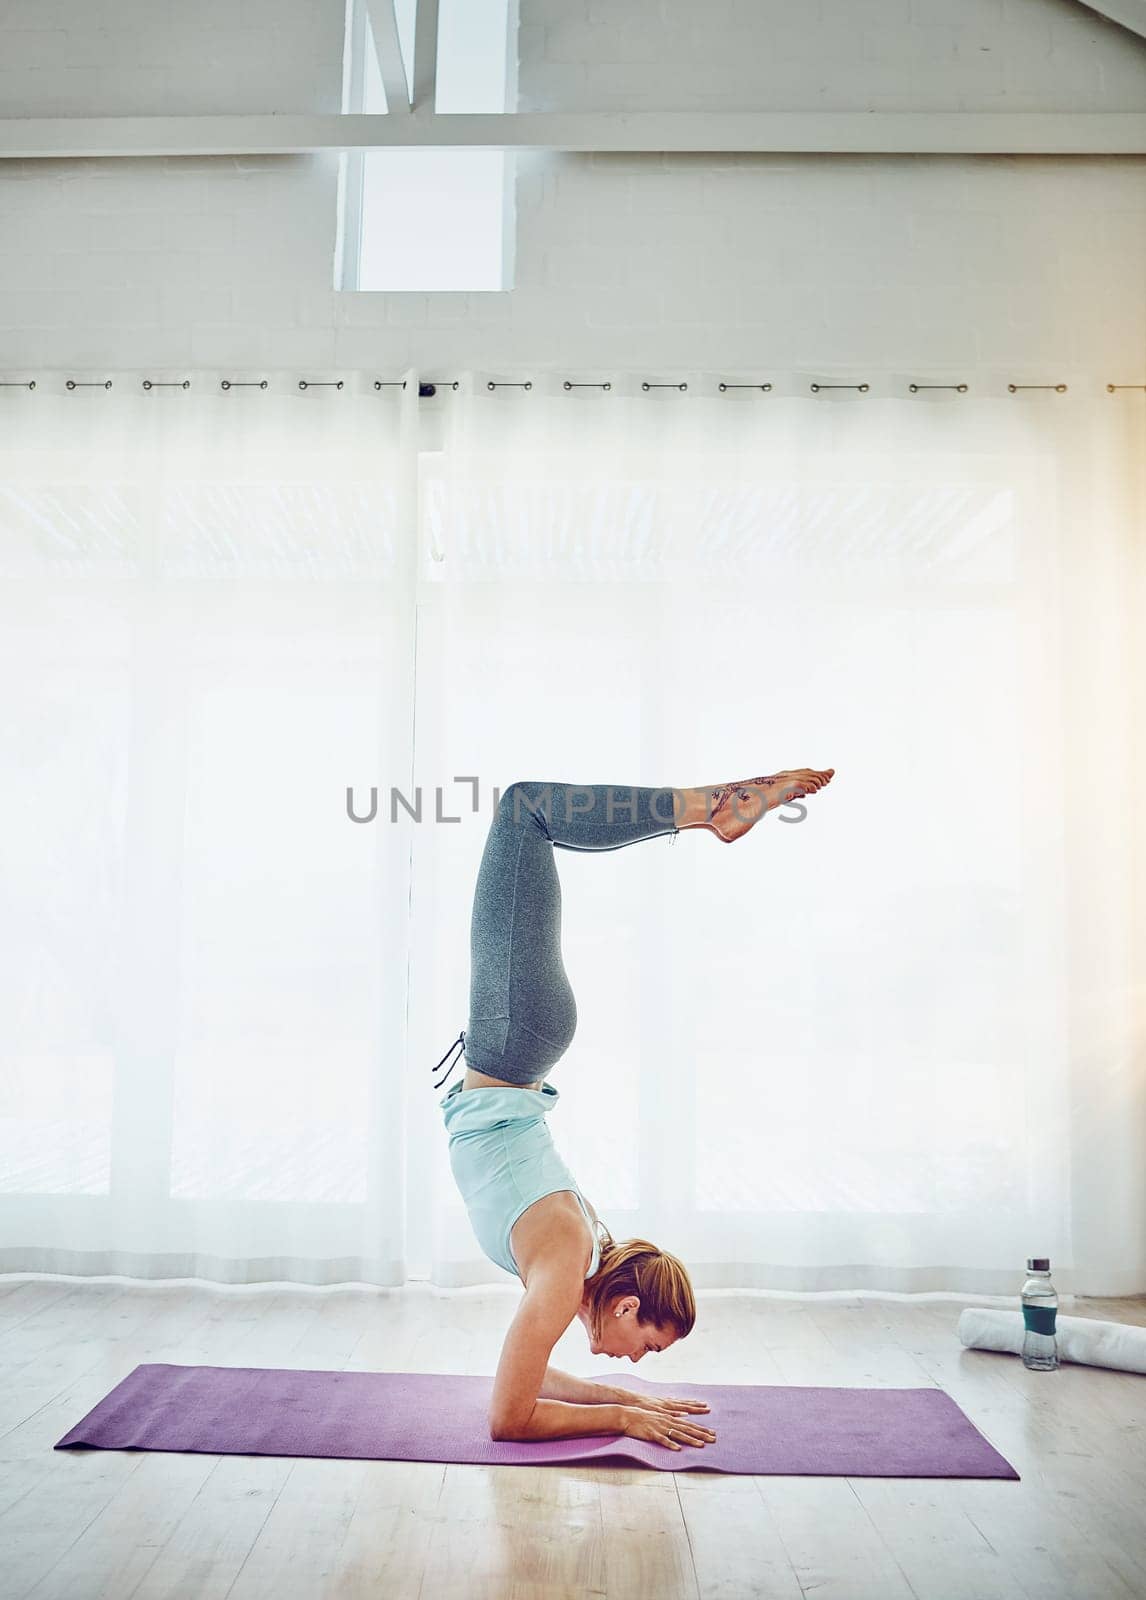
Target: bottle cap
[1038,1263]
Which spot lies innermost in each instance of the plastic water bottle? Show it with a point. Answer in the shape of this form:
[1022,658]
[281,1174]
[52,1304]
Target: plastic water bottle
[1040,1306]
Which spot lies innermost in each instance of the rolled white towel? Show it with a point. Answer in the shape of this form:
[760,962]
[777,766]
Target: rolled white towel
[1118,1345]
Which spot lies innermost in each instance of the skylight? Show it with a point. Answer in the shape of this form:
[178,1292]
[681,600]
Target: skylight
[431,219]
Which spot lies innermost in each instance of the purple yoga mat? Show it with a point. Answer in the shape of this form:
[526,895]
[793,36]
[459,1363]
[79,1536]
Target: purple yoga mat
[423,1416]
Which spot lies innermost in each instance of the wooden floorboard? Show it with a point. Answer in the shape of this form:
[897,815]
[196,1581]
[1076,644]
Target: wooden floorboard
[120,1525]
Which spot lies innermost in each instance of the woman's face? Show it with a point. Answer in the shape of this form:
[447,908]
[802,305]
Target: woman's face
[623,1335]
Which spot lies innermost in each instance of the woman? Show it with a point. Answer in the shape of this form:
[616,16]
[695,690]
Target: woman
[527,1212]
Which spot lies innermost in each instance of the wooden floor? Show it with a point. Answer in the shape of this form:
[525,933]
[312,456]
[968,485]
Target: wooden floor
[141,1524]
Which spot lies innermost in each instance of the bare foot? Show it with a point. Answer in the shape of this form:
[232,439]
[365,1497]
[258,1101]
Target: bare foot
[730,809]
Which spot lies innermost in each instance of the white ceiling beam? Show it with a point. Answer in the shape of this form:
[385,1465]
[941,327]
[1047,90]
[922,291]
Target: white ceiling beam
[425,55]
[819,132]
[384,27]
[1127,13]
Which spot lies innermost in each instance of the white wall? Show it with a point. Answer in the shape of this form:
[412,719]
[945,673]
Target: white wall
[888,262]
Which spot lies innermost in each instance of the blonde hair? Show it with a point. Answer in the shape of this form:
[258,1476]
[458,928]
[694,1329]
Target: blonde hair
[658,1279]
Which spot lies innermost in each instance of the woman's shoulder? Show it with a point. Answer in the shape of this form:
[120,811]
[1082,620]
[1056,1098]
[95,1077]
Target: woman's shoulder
[552,1230]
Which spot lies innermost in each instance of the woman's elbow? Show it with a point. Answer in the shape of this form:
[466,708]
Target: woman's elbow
[505,1430]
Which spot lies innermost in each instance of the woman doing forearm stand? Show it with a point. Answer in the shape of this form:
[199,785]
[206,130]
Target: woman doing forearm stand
[527,1212]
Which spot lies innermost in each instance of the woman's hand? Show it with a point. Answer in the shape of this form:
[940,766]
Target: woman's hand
[650,1402]
[638,1422]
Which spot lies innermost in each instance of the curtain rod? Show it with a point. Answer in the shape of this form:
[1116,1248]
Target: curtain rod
[428,387]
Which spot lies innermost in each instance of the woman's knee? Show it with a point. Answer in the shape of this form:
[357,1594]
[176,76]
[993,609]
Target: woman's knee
[525,802]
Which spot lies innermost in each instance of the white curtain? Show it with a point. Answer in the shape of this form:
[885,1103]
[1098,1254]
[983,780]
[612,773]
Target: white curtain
[208,633]
[893,1043]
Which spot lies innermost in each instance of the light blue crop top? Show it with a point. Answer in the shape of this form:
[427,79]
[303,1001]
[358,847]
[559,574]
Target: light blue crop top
[503,1159]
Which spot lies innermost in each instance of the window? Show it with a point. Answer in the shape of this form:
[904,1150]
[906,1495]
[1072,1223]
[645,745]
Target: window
[430,219]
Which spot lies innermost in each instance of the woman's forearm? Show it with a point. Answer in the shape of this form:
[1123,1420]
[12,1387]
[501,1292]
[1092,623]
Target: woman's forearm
[559,1385]
[560,1419]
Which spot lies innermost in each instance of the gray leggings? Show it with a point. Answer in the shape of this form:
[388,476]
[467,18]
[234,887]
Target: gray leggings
[522,1011]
